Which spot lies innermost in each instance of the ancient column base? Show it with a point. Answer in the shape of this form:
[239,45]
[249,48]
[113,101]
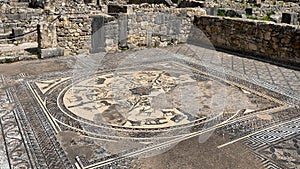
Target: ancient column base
[51,52]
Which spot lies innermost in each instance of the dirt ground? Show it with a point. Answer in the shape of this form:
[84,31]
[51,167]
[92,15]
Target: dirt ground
[36,67]
[190,154]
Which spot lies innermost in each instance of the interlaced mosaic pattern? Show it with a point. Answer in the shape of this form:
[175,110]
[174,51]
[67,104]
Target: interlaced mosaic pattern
[107,116]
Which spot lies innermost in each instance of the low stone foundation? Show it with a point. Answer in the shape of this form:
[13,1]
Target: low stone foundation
[51,52]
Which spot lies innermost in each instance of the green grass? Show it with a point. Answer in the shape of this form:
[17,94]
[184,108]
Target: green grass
[270,13]
[251,17]
[268,17]
[124,48]
[220,13]
[265,18]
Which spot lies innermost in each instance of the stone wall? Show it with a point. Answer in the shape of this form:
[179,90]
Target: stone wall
[74,33]
[159,28]
[151,27]
[139,27]
[257,9]
[74,26]
[17,19]
[260,9]
[277,42]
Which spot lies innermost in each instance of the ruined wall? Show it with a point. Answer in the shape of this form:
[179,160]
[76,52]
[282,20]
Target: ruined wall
[74,27]
[260,9]
[278,42]
[17,19]
[150,27]
[159,28]
[74,33]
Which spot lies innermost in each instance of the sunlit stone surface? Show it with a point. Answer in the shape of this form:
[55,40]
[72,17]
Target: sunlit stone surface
[105,114]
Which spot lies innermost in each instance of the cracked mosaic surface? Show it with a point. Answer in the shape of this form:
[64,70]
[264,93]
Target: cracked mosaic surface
[106,117]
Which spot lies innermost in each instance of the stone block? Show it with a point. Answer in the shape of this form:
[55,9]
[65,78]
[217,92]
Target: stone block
[17,32]
[47,37]
[290,18]
[252,47]
[173,27]
[16,16]
[104,8]
[98,34]
[267,36]
[21,25]
[123,31]
[51,52]
[149,39]
[164,38]
[212,11]
[2,30]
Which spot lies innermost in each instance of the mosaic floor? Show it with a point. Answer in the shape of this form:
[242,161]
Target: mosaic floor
[109,109]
